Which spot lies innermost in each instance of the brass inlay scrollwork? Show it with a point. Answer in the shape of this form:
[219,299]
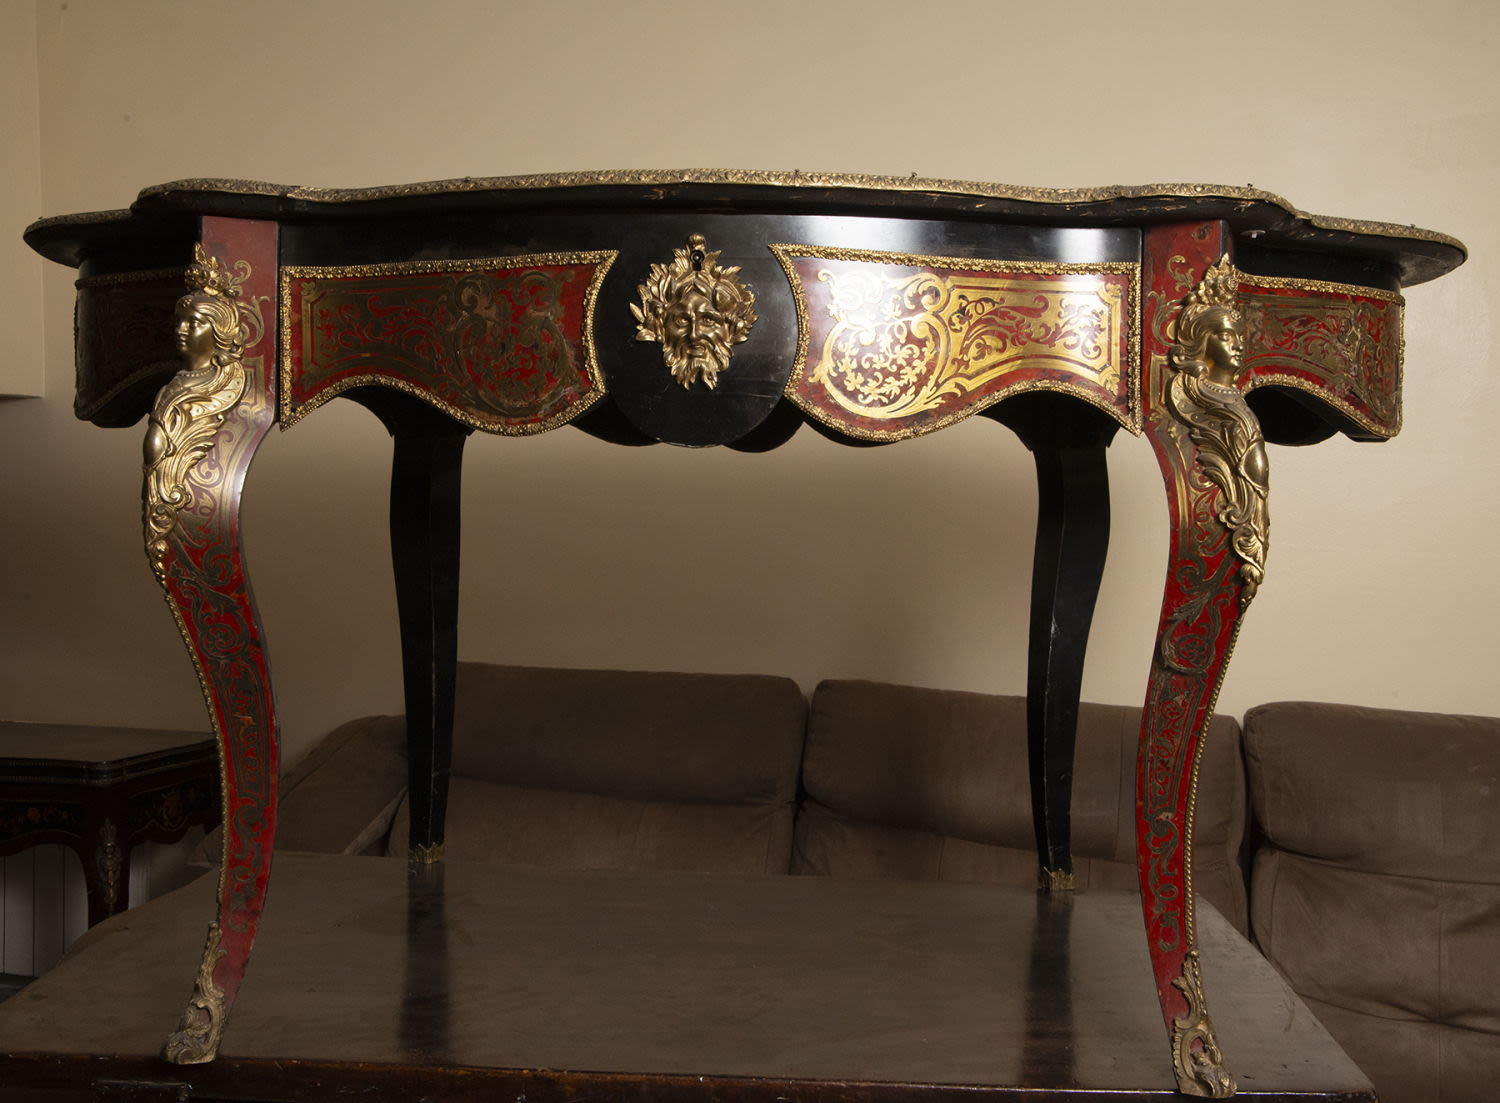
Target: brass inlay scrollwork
[196,1039]
[697,310]
[502,344]
[211,335]
[891,345]
[1196,1055]
[1203,395]
[1339,342]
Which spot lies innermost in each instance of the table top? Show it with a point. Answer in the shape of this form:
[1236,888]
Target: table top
[1260,217]
[692,984]
[95,755]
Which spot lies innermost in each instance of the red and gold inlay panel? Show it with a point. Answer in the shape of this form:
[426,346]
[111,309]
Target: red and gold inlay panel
[893,345]
[1339,342]
[505,345]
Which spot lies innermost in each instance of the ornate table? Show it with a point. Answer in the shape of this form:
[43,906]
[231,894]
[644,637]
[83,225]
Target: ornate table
[706,308]
[103,791]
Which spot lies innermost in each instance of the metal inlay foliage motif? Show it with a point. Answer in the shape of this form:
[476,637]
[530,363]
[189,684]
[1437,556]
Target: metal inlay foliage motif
[892,345]
[505,345]
[697,310]
[1339,342]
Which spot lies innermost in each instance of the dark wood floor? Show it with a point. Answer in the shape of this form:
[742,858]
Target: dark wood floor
[473,983]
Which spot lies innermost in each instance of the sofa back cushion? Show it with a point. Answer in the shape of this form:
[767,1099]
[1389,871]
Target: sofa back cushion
[912,783]
[590,769]
[1376,886]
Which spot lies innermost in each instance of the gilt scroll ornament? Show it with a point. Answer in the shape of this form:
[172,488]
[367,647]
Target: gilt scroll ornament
[196,1040]
[1200,1062]
[696,310]
[894,345]
[1204,395]
[211,335]
[110,865]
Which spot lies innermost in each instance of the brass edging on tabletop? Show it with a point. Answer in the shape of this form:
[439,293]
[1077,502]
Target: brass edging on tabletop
[287,417]
[796,179]
[1351,290]
[752,177]
[785,252]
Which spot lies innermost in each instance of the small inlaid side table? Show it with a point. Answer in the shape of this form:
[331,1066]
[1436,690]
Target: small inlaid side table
[102,791]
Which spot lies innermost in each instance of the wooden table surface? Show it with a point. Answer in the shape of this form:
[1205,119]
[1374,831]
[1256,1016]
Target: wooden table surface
[471,982]
[96,753]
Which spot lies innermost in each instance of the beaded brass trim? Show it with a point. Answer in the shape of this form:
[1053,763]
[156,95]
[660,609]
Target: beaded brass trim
[547,333]
[947,343]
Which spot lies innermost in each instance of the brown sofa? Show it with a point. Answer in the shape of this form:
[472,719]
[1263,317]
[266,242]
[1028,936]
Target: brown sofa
[1359,848]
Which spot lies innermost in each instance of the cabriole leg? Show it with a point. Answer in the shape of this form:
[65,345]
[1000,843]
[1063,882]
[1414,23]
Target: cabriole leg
[1213,462]
[203,432]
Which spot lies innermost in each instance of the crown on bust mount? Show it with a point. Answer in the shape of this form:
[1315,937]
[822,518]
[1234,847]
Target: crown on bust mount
[1219,287]
[209,276]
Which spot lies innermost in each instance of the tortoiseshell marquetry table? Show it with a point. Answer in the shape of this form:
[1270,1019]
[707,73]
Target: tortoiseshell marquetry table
[729,308]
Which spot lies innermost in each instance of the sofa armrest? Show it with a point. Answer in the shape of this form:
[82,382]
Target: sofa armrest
[340,798]
[1375,888]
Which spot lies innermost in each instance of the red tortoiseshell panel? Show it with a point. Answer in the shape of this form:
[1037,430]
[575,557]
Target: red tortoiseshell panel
[504,345]
[892,345]
[1338,342]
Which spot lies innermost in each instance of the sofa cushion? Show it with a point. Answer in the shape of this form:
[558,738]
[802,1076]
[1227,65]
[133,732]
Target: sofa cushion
[623,769]
[649,735]
[1376,885]
[917,783]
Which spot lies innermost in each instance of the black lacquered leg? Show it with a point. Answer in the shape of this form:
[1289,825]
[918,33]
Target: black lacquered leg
[426,481]
[1071,541]
[1072,538]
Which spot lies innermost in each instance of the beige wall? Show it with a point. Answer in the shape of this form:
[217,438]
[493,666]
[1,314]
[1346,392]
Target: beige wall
[907,563]
[21,360]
